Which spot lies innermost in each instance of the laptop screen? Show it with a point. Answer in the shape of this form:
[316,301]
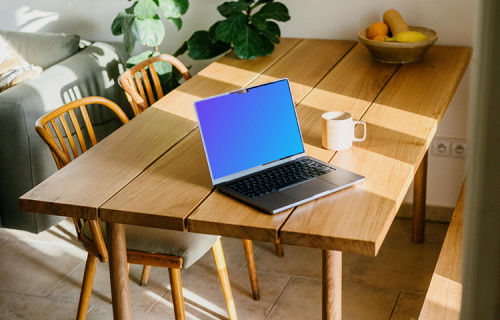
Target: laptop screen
[248,128]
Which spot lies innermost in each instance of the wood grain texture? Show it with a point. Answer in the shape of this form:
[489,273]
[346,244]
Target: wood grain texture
[212,216]
[118,272]
[444,297]
[226,74]
[88,181]
[401,124]
[419,200]
[331,285]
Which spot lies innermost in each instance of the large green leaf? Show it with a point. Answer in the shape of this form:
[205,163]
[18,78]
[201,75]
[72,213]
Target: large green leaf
[176,22]
[250,44]
[274,10]
[202,47]
[132,61]
[258,22]
[146,9]
[122,22]
[227,9]
[272,32]
[173,8]
[150,32]
[229,29]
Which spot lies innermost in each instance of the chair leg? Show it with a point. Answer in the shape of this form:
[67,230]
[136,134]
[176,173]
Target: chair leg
[177,297]
[279,249]
[145,275]
[220,262]
[86,291]
[252,270]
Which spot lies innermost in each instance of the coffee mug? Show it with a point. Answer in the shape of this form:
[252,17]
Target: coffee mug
[337,130]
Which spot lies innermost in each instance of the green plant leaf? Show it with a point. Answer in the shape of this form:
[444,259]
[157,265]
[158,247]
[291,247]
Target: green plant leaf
[182,49]
[258,22]
[249,43]
[211,31]
[122,22]
[272,32]
[150,32]
[132,61]
[177,22]
[202,47]
[145,9]
[274,10]
[229,29]
[227,9]
[173,8]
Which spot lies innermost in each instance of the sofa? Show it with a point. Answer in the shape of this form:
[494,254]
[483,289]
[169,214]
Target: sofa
[72,69]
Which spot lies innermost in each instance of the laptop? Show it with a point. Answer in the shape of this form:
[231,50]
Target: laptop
[255,151]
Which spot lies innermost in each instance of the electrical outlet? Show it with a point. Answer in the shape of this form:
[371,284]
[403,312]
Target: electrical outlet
[449,147]
[459,149]
[441,147]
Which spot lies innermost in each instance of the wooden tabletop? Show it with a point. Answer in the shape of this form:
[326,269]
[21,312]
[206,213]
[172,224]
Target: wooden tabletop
[153,171]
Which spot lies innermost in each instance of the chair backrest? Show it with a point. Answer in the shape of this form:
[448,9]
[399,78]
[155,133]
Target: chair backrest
[57,129]
[136,81]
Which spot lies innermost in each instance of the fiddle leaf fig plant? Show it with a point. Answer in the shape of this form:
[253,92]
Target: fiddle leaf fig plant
[248,29]
[141,23]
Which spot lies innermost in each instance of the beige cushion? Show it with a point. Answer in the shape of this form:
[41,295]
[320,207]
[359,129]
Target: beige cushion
[13,68]
[189,246]
[42,49]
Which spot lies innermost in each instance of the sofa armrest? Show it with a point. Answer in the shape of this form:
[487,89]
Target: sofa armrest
[92,71]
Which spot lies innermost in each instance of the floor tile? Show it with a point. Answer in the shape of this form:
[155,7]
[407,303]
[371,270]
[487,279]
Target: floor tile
[14,306]
[143,297]
[408,306]
[306,262]
[35,268]
[401,264]
[364,302]
[204,298]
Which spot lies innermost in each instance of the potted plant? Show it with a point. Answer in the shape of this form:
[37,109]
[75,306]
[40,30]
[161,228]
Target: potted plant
[248,28]
[141,23]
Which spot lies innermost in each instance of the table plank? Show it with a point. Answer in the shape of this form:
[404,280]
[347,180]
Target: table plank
[88,181]
[401,124]
[304,66]
[444,297]
[226,74]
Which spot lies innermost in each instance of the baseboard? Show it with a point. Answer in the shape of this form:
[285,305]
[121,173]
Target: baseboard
[432,213]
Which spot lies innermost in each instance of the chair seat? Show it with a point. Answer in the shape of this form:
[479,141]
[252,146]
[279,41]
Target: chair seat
[189,246]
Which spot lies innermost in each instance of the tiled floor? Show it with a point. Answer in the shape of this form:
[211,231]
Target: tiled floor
[40,279]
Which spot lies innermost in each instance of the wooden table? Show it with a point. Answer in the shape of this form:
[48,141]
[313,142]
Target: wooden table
[153,172]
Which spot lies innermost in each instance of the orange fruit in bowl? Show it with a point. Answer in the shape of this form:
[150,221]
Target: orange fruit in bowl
[378,28]
[380,37]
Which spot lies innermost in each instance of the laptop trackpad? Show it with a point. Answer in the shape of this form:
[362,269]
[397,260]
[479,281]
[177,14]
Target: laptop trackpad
[309,189]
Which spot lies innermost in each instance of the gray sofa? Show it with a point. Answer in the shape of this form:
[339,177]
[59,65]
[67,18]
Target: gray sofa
[73,68]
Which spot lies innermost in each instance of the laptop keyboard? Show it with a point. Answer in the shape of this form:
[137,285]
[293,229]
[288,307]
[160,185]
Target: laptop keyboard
[279,178]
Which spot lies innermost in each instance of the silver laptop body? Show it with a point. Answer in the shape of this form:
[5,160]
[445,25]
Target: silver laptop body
[253,132]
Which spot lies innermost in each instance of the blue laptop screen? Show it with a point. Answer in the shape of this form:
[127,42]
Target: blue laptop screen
[249,128]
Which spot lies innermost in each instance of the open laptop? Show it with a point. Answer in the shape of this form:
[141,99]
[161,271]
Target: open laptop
[255,151]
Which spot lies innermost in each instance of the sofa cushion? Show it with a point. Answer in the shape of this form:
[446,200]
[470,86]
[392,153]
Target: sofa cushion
[42,49]
[13,68]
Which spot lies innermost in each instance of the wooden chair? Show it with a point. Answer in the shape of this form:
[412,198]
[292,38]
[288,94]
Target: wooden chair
[165,248]
[136,81]
[141,94]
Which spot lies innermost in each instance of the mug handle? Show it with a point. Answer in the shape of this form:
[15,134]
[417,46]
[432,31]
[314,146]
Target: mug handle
[364,130]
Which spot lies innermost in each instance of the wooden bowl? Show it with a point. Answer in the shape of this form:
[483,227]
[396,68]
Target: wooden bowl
[396,52]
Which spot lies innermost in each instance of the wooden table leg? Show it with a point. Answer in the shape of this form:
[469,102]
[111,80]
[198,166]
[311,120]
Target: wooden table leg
[419,195]
[118,273]
[332,285]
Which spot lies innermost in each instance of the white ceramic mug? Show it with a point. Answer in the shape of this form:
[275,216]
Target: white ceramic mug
[337,130]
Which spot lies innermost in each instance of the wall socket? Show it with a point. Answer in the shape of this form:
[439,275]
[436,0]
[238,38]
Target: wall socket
[449,147]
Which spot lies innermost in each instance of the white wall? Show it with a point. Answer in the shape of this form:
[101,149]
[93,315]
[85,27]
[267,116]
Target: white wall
[326,19]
